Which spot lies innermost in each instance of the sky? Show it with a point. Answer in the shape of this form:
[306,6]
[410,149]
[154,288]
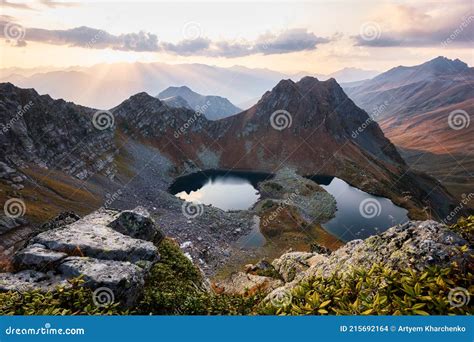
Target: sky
[314,36]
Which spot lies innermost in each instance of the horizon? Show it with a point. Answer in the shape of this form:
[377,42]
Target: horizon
[64,68]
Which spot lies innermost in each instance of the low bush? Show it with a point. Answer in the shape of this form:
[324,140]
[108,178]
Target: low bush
[380,291]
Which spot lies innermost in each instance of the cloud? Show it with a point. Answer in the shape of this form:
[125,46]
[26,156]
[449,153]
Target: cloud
[29,5]
[188,47]
[16,5]
[87,37]
[55,4]
[284,42]
[408,26]
[288,41]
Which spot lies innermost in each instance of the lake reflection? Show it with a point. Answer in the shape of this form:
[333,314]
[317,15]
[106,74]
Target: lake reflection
[359,214]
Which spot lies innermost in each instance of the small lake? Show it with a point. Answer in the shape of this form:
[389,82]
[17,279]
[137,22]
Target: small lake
[227,190]
[358,214]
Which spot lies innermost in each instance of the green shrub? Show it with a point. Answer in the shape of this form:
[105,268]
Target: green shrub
[465,227]
[76,300]
[378,291]
[175,287]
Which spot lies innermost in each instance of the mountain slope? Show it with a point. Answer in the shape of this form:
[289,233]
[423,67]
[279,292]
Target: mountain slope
[213,107]
[150,144]
[413,107]
[318,141]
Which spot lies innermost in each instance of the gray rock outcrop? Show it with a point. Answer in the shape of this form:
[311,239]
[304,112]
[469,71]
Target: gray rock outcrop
[413,245]
[90,248]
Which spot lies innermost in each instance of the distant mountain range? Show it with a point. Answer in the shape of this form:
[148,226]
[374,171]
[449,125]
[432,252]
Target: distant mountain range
[213,107]
[413,107]
[71,156]
[345,75]
[106,85]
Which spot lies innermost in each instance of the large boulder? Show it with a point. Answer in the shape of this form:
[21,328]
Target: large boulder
[413,245]
[246,284]
[124,279]
[91,236]
[90,248]
[63,219]
[9,223]
[138,224]
[290,264]
[97,241]
[38,257]
[29,280]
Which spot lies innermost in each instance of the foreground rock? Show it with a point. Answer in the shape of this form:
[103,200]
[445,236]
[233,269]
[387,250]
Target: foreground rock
[92,248]
[413,245]
[246,284]
[124,279]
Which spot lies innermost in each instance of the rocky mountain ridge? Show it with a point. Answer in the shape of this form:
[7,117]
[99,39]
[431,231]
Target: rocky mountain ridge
[425,110]
[308,125]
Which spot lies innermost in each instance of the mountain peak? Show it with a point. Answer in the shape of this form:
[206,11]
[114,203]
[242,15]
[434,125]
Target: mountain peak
[143,96]
[445,65]
[183,91]
[213,107]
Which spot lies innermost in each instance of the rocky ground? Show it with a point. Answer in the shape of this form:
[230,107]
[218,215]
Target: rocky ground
[116,250]
[102,248]
[414,245]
